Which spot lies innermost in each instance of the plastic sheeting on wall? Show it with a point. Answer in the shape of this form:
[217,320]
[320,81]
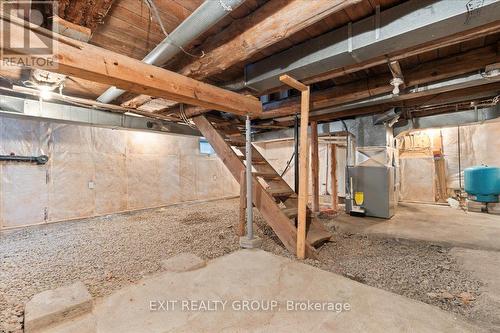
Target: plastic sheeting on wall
[417,179]
[479,144]
[94,171]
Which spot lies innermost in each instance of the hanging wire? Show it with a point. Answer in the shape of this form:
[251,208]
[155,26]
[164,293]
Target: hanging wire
[226,7]
[153,10]
[183,116]
[287,165]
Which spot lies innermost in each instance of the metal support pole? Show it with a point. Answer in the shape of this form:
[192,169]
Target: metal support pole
[249,241]
[249,182]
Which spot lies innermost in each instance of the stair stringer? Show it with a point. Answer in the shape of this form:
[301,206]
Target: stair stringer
[262,200]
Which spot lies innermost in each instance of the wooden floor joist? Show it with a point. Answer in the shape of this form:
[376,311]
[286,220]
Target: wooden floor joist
[427,72]
[273,22]
[96,64]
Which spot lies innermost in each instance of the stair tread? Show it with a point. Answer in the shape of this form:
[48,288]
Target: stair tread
[261,162]
[254,158]
[280,191]
[236,143]
[265,174]
[290,212]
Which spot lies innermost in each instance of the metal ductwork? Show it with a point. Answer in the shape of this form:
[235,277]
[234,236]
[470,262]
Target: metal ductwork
[26,108]
[407,25]
[203,18]
[450,119]
[455,83]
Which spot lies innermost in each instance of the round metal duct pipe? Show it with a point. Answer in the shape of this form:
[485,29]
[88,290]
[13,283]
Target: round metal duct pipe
[203,18]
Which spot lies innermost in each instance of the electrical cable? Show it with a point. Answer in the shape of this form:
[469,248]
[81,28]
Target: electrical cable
[154,10]
[288,164]
[183,116]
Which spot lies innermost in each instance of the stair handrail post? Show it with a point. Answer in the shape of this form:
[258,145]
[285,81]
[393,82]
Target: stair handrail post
[305,93]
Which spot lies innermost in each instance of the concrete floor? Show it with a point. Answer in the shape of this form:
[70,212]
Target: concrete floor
[263,277]
[432,223]
[484,265]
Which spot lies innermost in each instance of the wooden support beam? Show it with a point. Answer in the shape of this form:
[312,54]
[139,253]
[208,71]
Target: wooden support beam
[423,99]
[315,166]
[425,73]
[71,30]
[303,164]
[93,63]
[438,70]
[290,81]
[397,75]
[303,175]
[245,37]
[475,33]
[240,230]
[333,176]
[396,70]
[275,21]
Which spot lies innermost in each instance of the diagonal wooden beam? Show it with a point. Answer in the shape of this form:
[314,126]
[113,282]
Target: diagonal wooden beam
[245,37]
[273,22]
[96,64]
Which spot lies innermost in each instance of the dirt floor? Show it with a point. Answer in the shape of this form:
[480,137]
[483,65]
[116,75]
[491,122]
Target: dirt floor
[107,253]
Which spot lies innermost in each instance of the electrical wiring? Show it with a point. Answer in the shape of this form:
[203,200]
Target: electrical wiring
[183,116]
[154,10]
[288,164]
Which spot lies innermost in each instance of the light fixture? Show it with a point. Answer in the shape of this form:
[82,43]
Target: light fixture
[45,92]
[396,82]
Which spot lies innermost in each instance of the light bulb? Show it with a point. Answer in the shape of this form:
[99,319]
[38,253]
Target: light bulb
[45,92]
[396,82]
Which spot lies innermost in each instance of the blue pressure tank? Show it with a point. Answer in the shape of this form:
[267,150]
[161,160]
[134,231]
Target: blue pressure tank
[482,183]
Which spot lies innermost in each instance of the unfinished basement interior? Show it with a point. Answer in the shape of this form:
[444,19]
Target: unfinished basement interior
[249,166]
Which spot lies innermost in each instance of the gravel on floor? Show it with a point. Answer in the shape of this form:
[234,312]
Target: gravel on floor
[107,253]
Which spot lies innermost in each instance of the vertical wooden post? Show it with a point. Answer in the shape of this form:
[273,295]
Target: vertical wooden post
[303,162]
[315,166]
[333,174]
[240,230]
[303,175]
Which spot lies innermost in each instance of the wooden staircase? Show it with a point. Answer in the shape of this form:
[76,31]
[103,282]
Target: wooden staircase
[275,200]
